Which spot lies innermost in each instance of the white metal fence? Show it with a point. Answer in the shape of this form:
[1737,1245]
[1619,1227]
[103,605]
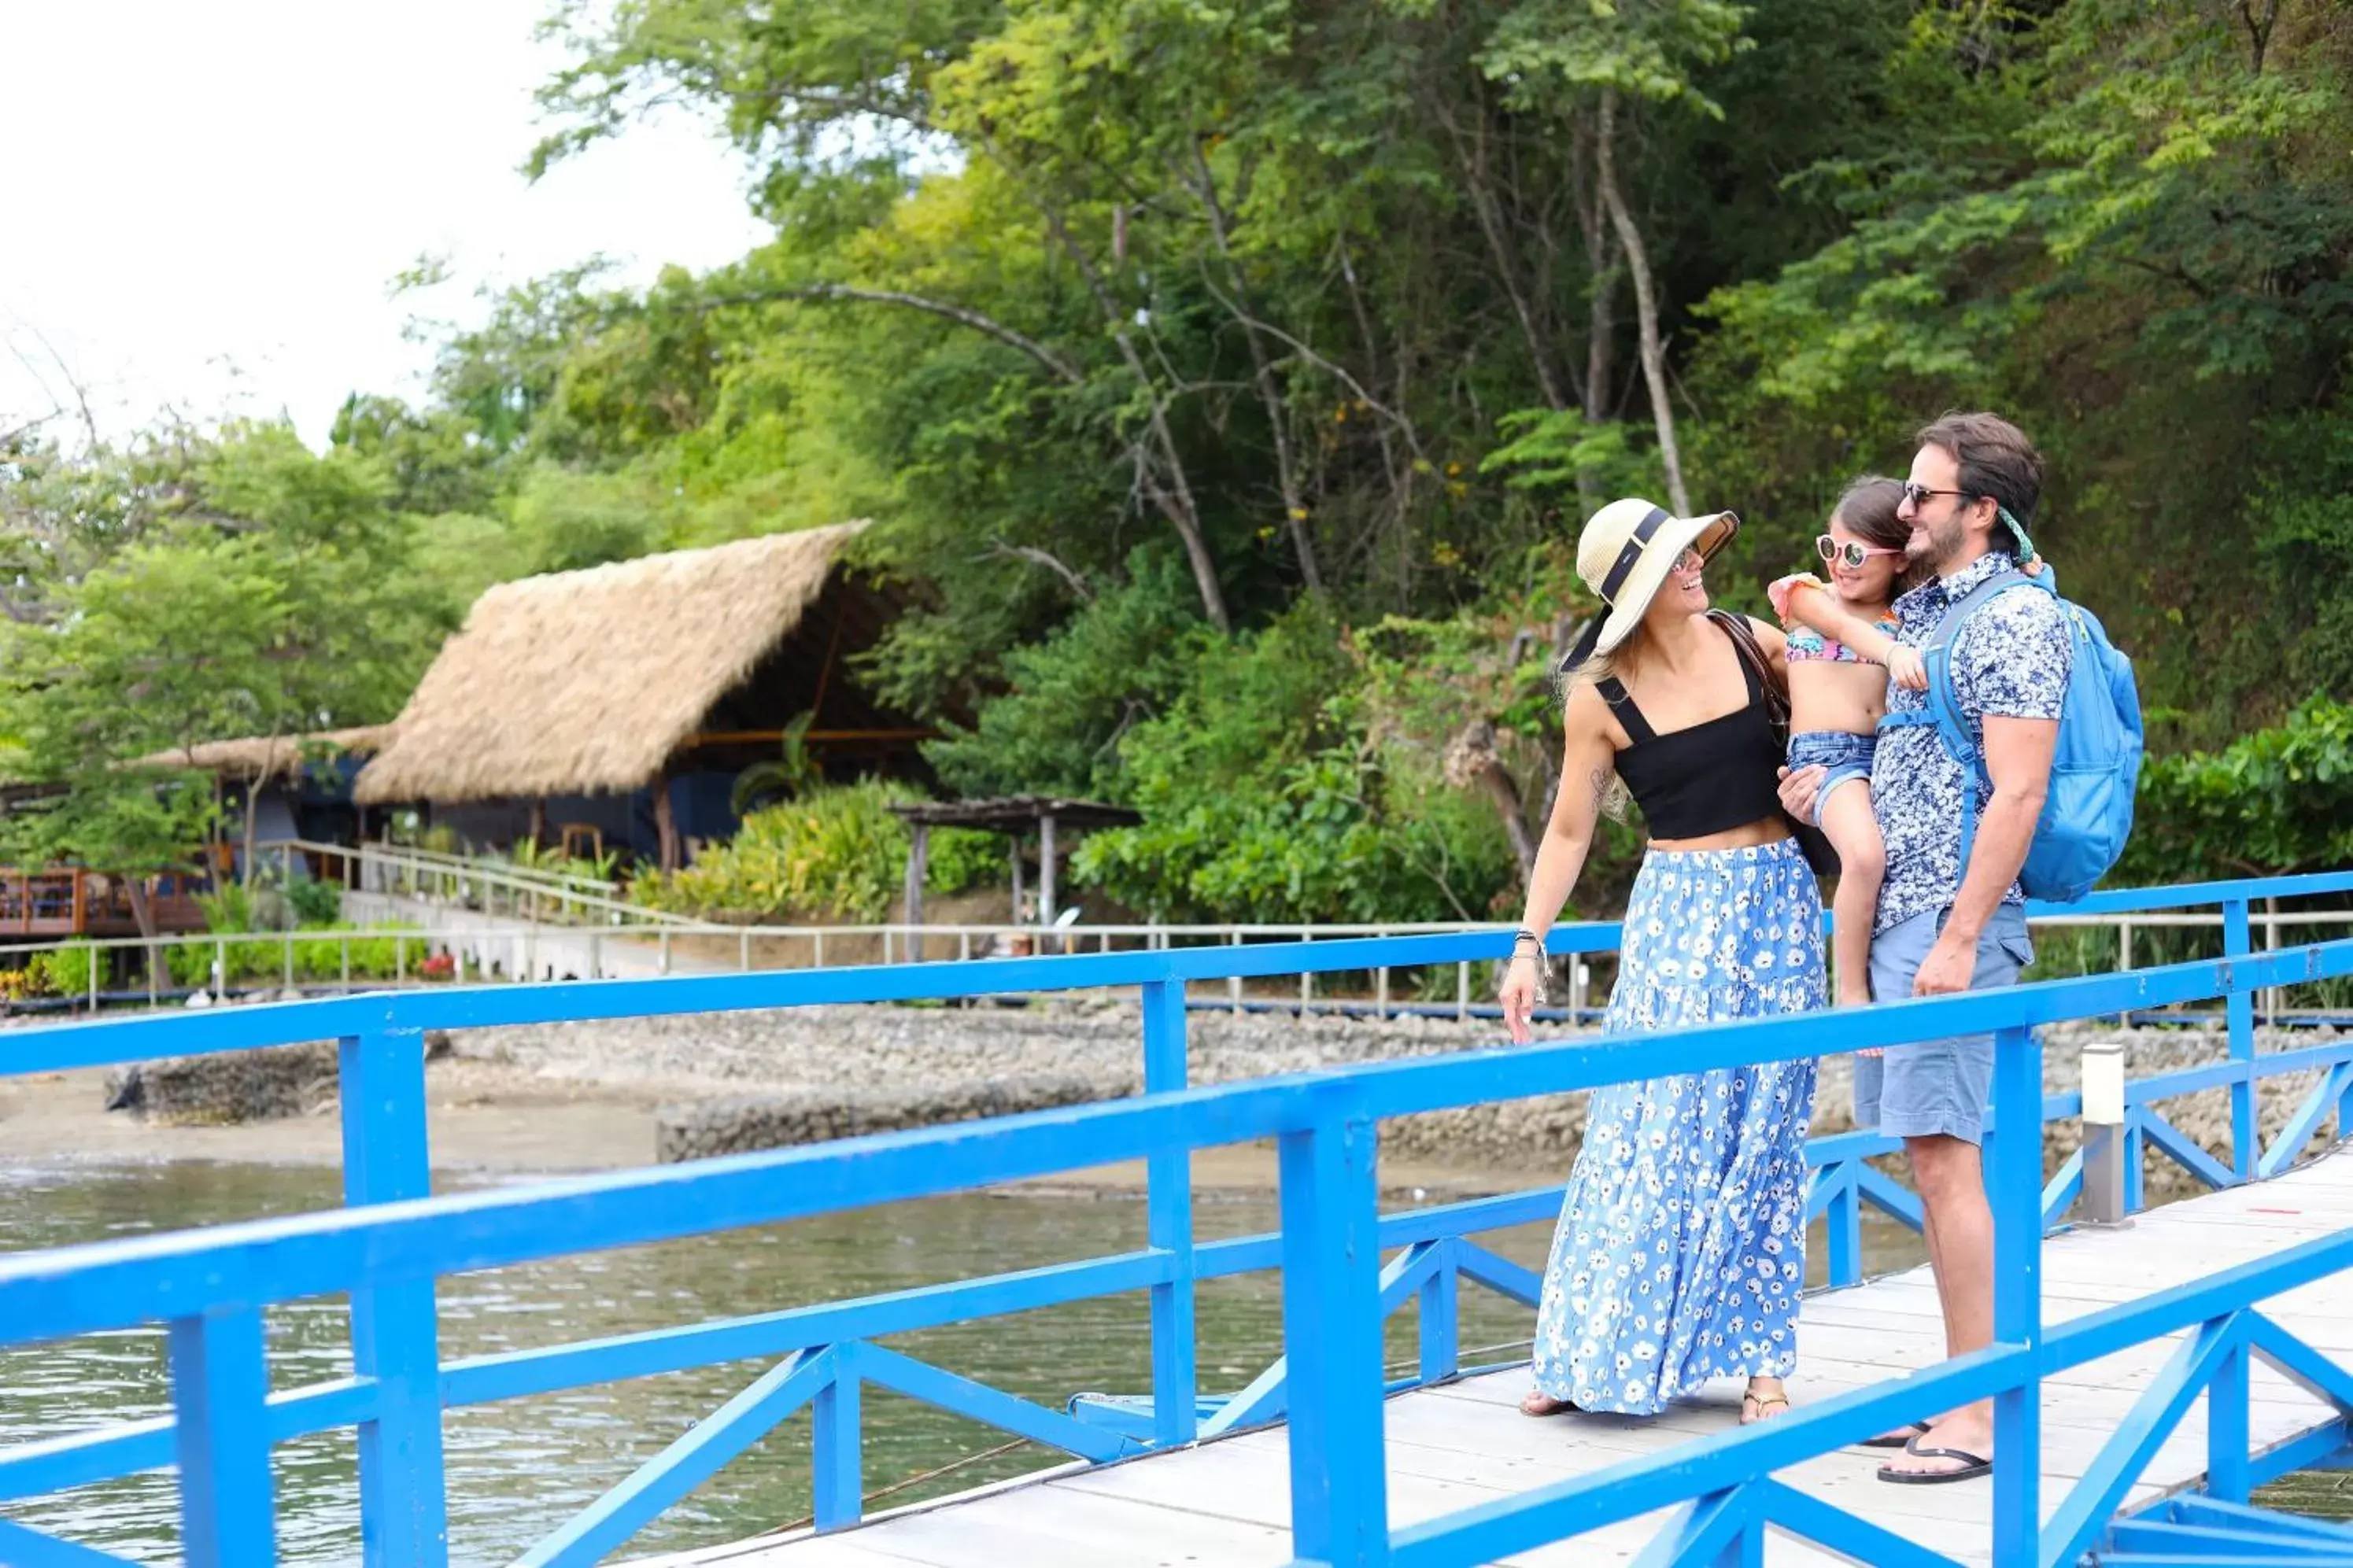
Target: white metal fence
[479,948]
[491,887]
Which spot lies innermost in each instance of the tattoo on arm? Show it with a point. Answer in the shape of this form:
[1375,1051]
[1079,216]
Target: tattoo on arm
[1600,781]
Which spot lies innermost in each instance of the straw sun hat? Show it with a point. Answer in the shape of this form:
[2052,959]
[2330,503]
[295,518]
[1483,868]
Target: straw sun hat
[1624,555]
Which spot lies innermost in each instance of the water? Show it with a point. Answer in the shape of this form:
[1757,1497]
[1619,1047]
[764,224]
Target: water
[518,1471]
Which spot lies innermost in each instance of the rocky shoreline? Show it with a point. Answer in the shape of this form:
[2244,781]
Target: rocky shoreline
[734,1081]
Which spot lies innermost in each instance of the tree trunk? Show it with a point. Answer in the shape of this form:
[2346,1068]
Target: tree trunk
[1507,270]
[665,825]
[1646,302]
[143,913]
[1600,317]
[537,826]
[252,815]
[1286,471]
[1175,500]
[1472,762]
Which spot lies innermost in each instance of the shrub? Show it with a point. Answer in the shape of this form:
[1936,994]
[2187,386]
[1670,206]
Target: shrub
[1266,797]
[316,904]
[834,853]
[962,858]
[2277,800]
[1334,838]
[63,971]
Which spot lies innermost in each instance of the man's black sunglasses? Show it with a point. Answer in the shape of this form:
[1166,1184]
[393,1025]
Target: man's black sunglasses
[1918,494]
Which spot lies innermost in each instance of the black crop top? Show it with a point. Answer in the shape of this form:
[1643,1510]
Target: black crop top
[1702,778]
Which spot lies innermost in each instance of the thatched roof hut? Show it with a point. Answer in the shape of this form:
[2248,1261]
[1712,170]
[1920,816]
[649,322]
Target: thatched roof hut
[265,759]
[617,679]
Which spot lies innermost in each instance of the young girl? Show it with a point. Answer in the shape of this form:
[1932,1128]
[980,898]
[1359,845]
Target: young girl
[1842,651]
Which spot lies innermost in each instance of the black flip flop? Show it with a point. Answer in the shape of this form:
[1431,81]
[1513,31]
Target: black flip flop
[1920,1430]
[1972,1466]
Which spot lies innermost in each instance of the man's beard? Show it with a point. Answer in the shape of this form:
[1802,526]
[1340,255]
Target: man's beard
[1939,544]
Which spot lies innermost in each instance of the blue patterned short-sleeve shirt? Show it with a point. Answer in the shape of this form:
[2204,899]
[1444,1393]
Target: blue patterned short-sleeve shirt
[2010,661]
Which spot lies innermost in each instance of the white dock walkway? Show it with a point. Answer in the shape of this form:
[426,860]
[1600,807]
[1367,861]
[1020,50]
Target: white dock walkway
[522,948]
[1227,1502]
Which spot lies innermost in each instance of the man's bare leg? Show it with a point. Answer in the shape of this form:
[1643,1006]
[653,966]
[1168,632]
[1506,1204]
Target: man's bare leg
[1951,1177]
[1944,1308]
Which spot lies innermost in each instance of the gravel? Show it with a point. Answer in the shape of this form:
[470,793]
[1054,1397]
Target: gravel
[731,1081]
[792,1077]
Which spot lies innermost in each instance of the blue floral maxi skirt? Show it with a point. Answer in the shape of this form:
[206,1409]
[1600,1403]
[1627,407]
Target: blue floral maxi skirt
[1682,1244]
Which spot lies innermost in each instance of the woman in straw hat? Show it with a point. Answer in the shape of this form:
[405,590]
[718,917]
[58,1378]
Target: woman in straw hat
[1681,1247]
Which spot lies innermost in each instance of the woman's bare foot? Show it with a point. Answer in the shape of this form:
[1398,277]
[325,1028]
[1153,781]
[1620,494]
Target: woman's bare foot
[1538,1402]
[1765,1400]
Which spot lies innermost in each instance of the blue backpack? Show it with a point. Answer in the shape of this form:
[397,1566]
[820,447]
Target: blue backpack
[2087,814]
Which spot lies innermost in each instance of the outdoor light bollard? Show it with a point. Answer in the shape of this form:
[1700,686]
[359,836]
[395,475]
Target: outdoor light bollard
[2103,1133]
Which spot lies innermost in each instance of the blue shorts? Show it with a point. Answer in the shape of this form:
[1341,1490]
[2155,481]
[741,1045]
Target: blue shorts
[1935,1086]
[1846,757]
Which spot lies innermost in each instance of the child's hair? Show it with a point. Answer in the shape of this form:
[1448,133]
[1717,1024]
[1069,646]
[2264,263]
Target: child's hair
[1868,507]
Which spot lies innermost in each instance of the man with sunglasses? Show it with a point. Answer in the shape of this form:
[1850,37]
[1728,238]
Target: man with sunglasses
[1944,927]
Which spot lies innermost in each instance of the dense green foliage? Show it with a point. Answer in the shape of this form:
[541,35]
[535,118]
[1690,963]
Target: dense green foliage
[2280,799]
[1227,383]
[832,854]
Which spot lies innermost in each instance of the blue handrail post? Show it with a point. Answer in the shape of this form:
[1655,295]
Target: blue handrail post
[219,1385]
[1332,1335]
[838,1457]
[2135,1159]
[1843,1225]
[2017,1192]
[2226,1420]
[1168,1225]
[404,1506]
[2238,941]
[1440,1323]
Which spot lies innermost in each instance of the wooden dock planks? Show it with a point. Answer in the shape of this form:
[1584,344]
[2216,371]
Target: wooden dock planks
[1227,1502]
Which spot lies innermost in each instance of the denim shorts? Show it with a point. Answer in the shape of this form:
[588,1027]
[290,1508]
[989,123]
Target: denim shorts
[1846,757]
[1935,1086]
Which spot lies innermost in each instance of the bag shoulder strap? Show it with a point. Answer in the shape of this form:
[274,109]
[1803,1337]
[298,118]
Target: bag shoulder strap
[1761,689]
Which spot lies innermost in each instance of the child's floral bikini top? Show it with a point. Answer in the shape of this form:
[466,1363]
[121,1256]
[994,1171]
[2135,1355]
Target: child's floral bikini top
[1805,643]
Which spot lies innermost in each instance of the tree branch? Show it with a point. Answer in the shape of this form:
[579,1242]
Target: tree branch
[2259,30]
[1294,500]
[1337,371]
[1049,560]
[963,315]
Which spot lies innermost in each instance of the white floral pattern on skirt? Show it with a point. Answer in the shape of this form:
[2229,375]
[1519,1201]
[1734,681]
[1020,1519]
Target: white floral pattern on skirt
[1681,1245]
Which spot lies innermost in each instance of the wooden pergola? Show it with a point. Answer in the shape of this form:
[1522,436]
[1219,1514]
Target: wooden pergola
[1014,816]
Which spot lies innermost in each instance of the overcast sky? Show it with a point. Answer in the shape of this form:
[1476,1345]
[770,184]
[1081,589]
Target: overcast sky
[205,203]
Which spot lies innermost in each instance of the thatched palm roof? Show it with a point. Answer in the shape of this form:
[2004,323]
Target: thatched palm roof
[587,681]
[259,758]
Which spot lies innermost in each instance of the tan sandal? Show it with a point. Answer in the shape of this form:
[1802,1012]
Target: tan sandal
[1763,1401]
[1538,1403]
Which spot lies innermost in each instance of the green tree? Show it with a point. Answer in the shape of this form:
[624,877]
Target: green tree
[169,644]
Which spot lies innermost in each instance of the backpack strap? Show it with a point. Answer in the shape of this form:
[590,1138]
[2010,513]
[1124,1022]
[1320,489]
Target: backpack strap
[1944,705]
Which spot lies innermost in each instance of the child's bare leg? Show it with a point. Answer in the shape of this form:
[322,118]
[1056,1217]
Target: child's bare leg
[1853,832]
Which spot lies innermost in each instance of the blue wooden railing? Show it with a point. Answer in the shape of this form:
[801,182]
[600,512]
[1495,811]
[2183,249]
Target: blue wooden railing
[388,1249]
